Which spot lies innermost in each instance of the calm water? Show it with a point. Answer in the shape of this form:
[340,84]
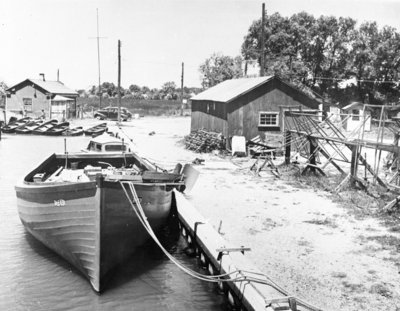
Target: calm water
[34,278]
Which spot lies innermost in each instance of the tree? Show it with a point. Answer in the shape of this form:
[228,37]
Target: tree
[219,68]
[319,53]
[133,88]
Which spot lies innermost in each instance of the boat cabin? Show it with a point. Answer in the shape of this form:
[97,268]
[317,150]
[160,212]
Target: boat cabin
[107,143]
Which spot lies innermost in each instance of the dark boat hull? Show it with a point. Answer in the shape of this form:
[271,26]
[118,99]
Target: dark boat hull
[91,225]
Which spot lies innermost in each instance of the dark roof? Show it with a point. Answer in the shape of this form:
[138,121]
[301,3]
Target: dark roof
[53,87]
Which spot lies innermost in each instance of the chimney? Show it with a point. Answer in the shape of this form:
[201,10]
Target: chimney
[42,74]
[58,75]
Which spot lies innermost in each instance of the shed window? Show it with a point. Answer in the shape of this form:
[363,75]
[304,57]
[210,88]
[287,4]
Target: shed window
[355,115]
[268,119]
[27,104]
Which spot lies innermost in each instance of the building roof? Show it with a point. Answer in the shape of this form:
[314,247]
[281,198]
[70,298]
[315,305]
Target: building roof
[352,105]
[53,87]
[59,98]
[228,90]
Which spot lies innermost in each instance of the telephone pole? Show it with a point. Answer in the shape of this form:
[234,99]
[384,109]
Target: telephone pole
[119,81]
[98,55]
[262,65]
[182,88]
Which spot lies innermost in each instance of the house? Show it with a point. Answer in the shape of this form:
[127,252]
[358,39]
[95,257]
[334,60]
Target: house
[356,114]
[31,96]
[248,106]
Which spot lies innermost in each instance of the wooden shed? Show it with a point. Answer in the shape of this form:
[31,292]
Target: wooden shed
[248,106]
[357,115]
[31,96]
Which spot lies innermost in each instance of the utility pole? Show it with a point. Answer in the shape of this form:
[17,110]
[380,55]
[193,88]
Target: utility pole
[182,89]
[262,65]
[98,56]
[119,81]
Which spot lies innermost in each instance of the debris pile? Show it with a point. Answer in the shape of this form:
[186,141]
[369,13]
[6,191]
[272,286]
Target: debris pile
[203,141]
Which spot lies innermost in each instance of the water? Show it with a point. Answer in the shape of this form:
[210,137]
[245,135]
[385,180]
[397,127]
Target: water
[32,277]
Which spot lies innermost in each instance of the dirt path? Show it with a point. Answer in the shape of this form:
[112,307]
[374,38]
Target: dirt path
[313,247]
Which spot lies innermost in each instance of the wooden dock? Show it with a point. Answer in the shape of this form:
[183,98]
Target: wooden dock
[253,290]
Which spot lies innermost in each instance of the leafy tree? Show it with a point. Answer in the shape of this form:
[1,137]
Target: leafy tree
[219,68]
[319,52]
[133,88]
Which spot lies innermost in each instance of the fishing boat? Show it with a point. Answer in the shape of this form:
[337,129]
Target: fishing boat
[82,206]
[40,130]
[14,124]
[96,130]
[57,129]
[75,131]
[28,127]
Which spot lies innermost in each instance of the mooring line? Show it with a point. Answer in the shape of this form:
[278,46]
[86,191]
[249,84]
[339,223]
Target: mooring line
[208,278]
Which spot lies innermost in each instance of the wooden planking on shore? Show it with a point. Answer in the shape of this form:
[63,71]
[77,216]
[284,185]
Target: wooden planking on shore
[253,296]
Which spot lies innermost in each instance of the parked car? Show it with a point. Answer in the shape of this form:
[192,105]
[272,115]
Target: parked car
[111,113]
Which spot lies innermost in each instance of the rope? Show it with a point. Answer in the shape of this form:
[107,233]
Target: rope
[208,278]
[143,219]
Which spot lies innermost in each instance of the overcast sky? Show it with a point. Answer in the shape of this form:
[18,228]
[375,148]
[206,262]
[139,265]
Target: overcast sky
[42,36]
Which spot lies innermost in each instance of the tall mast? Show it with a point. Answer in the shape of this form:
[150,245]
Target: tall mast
[98,56]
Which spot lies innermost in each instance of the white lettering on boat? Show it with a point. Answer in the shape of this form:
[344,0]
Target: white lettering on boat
[60,202]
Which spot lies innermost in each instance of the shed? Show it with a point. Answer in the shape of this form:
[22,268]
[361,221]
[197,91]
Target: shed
[356,114]
[248,106]
[31,96]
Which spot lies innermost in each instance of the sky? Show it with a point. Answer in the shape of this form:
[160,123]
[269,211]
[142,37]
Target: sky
[44,36]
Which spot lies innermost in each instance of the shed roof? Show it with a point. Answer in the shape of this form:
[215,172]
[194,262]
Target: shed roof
[59,98]
[54,87]
[352,105]
[228,90]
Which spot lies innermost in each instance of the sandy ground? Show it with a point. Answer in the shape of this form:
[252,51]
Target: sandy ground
[312,246]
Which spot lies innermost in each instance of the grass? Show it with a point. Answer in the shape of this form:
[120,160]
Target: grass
[360,203]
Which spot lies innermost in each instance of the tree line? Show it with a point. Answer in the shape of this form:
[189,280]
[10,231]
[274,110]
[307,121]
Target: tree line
[168,91]
[328,57]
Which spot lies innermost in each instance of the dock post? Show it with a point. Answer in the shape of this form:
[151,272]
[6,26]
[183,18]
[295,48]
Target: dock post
[288,142]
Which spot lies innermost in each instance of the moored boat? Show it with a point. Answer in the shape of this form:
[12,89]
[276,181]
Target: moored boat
[14,124]
[77,205]
[96,130]
[28,127]
[40,130]
[57,129]
[75,131]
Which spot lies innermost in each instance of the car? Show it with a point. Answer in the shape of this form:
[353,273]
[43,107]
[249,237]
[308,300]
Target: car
[111,113]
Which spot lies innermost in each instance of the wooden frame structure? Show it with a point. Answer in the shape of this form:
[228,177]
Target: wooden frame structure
[313,138]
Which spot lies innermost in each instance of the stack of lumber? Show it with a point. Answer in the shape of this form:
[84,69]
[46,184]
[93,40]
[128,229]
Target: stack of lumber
[203,141]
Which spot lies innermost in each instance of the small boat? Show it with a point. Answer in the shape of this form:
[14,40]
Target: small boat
[84,206]
[28,127]
[57,129]
[75,131]
[14,124]
[40,130]
[96,130]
